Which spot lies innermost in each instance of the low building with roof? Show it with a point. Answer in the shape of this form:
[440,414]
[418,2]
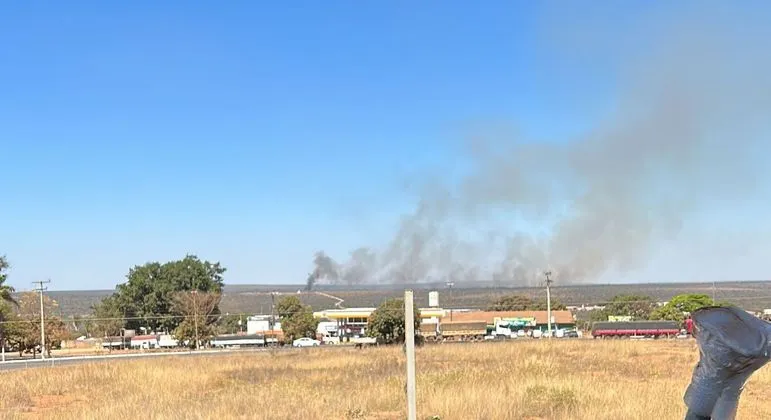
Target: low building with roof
[144,341]
[534,320]
[352,322]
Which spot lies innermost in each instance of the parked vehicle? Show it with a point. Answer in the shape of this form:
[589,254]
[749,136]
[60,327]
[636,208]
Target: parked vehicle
[238,341]
[454,331]
[360,342]
[635,329]
[306,342]
[501,330]
[331,340]
[167,341]
[571,334]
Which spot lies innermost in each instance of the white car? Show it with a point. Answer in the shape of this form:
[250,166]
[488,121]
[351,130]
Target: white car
[305,342]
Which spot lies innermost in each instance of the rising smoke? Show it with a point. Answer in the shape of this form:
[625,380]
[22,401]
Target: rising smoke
[683,137]
[325,268]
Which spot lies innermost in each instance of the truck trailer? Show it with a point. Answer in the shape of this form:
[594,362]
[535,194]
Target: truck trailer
[635,329]
[454,331]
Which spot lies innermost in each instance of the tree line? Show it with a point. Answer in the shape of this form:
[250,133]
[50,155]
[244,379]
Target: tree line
[517,302]
[182,298]
[638,307]
[641,307]
[179,297]
[20,318]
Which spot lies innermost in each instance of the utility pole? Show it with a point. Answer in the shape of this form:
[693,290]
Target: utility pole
[548,300]
[713,291]
[272,317]
[409,342]
[40,289]
[195,311]
[452,301]
[194,284]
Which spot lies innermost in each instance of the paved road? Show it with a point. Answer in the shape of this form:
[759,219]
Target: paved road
[73,360]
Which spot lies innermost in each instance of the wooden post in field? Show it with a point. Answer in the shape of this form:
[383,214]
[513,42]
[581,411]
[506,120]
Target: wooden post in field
[548,301]
[409,341]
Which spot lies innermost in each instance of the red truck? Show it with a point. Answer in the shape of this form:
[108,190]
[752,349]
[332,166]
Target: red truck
[647,329]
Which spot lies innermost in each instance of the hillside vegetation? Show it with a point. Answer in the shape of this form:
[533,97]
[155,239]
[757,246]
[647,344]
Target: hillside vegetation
[253,299]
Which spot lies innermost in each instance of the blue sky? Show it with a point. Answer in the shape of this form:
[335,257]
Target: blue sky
[256,133]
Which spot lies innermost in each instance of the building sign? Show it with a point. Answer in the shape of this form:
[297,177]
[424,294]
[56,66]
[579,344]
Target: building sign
[519,322]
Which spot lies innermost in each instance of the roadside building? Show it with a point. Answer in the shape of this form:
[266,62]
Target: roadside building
[528,320]
[266,326]
[144,342]
[352,322]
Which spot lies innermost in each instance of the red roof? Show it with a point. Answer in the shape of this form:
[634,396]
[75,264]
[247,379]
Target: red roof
[144,337]
[541,317]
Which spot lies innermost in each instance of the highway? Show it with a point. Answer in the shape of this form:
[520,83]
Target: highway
[9,365]
[73,360]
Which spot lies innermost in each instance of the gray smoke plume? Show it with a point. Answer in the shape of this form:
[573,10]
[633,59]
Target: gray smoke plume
[325,268]
[359,268]
[686,134]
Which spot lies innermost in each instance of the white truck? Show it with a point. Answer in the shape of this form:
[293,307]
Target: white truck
[363,341]
[167,341]
[503,330]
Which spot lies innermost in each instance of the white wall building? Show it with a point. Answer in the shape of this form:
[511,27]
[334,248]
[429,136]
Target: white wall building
[260,323]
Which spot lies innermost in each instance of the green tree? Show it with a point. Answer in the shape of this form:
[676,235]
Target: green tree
[297,320]
[669,313]
[186,332]
[597,315]
[517,302]
[230,323]
[540,305]
[18,332]
[691,302]
[146,298]
[639,307]
[676,308]
[387,322]
[25,333]
[195,309]
[511,303]
[82,325]
[107,319]
[6,297]
[6,291]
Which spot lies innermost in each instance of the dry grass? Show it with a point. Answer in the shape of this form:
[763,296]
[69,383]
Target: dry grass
[580,379]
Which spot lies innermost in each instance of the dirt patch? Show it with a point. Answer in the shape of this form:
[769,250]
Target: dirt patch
[45,404]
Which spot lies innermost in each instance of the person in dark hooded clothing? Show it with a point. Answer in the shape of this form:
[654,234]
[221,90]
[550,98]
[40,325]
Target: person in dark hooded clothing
[732,345]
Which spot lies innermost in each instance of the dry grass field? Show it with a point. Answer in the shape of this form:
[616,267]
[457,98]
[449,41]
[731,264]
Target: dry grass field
[578,379]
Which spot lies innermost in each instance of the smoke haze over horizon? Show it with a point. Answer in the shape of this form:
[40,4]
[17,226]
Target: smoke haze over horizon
[391,143]
[685,139]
